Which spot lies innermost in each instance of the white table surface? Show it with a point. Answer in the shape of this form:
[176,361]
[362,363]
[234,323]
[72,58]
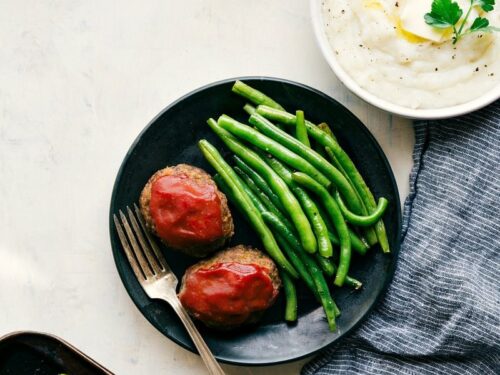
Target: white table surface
[78,82]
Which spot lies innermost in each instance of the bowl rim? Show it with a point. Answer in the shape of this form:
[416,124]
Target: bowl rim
[353,86]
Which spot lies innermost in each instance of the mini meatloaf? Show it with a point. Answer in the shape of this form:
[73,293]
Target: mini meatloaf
[232,288]
[184,208]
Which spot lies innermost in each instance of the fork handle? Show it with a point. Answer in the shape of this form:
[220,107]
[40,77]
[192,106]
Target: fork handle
[205,353]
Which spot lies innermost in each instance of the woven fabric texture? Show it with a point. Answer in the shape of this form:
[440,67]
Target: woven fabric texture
[441,313]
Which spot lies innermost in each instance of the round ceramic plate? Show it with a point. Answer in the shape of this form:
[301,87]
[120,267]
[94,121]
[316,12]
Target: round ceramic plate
[172,137]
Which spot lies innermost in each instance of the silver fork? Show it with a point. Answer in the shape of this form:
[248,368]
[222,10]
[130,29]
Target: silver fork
[156,277]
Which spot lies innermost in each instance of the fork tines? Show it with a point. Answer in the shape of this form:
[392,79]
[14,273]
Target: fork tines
[144,255]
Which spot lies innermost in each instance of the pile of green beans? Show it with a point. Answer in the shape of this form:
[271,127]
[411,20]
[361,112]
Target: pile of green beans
[352,172]
[301,193]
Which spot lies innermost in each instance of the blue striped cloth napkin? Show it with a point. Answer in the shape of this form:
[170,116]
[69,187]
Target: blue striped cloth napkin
[441,313]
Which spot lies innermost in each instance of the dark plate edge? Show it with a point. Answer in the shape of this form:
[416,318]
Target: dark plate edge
[393,254]
[60,340]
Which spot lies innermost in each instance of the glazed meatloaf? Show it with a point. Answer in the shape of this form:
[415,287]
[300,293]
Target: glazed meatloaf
[184,208]
[232,288]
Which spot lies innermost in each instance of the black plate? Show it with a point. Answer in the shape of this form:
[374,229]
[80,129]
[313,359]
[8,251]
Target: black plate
[28,353]
[171,138]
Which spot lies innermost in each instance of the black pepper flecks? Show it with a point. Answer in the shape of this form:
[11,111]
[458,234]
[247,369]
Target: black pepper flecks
[436,69]
[477,69]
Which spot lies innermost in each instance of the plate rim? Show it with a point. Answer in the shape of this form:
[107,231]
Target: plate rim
[394,251]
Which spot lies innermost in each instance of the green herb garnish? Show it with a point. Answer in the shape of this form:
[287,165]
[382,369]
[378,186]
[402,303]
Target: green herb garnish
[447,13]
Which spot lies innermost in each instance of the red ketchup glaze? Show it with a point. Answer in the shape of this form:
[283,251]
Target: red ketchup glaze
[227,293]
[185,213]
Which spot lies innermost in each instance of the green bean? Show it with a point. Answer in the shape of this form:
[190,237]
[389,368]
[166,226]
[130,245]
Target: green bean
[230,196]
[290,297]
[335,162]
[324,126]
[254,95]
[250,109]
[356,243]
[329,268]
[353,283]
[369,232]
[337,220]
[311,156]
[255,200]
[359,245]
[344,159]
[363,221]
[287,198]
[326,264]
[246,205]
[300,129]
[336,310]
[349,280]
[263,198]
[331,309]
[252,136]
[295,258]
[319,227]
[321,150]
[260,182]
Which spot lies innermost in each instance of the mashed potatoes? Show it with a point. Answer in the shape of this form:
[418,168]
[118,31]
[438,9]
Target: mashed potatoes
[374,48]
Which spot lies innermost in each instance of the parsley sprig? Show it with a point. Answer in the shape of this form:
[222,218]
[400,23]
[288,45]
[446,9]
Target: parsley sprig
[447,13]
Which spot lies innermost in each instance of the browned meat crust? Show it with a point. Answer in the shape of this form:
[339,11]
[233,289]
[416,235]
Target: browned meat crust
[238,254]
[199,176]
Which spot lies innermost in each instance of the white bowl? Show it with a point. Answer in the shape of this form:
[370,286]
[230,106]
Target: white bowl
[326,49]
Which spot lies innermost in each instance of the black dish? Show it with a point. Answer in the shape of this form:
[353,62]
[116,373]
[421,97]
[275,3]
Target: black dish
[172,137]
[28,353]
